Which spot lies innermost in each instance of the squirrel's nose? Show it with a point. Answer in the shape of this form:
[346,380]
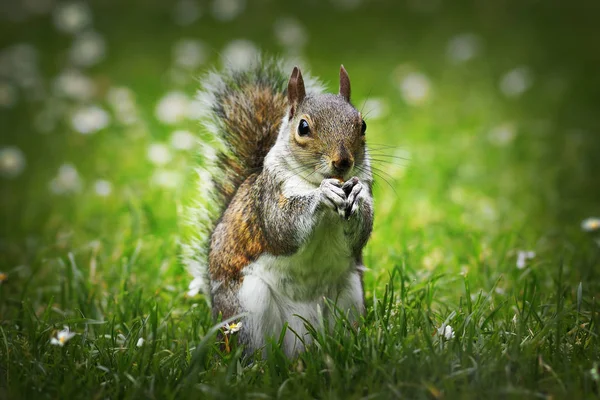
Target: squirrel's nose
[342,165]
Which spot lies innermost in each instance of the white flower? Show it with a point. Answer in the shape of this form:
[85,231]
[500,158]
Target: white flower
[594,372]
[159,154]
[183,140]
[346,4]
[196,110]
[463,47]
[49,115]
[516,81]
[140,342]
[12,162]
[102,187]
[227,10]
[72,17]
[8,95]
[189,53]
[523,256]
[123,104]
[172,108]
[196,286]
[19,63]
[62,337]
[186,12]
[89,119]
[591,224]
[374,108]
[239,54]
[446,331]
[290,33]
[166,179]
[88,49]
[415,88]
[502,134]
[232,328]
[66,181]
[38,6]
[73,84]
[121,339]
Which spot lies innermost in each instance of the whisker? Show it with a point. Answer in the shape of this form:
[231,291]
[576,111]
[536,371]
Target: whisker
[378,173]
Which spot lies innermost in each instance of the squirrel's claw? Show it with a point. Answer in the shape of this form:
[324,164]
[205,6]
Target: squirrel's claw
[333,195]
[353,197]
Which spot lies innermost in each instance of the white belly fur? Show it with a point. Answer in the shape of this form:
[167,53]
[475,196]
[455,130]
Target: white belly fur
[277,288]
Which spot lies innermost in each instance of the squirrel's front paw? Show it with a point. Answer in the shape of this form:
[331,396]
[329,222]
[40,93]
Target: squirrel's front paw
[333,196]
[353,189]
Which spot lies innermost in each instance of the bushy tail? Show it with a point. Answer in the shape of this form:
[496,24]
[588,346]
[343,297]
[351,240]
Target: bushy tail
[242,113]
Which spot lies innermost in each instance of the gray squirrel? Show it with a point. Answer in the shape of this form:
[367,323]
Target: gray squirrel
[285,208]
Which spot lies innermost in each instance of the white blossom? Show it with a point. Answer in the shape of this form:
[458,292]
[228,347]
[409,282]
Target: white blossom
[183,140]
[19,63]
[172,108]
[227,10]
[166,178]
[62,337]
[186,12]
[502,135]
[374,108]
[159,154]
[38,6]
[12,162]
[463,47]
[189,53]
[290,33]
[72,17]
[122,102]
[89,119]
[140,342]
[591,224]
[523,257]
[232,328]
[66,181]
[240,54]
[74,85]
[8,95]
[446,331]
[346,4]
[516,81]
[415,88]
[103,188]
[88,49]
[196,110]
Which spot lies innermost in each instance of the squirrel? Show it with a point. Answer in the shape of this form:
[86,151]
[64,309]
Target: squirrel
[285,207]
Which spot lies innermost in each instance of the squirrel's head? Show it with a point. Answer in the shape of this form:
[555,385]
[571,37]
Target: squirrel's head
[326,132]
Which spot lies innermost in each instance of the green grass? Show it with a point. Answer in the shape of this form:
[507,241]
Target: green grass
[449,220]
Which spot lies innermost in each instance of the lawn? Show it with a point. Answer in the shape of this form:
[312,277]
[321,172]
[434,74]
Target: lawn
[483,264]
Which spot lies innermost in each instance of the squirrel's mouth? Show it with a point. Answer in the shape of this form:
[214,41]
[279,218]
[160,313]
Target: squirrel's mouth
[331,176]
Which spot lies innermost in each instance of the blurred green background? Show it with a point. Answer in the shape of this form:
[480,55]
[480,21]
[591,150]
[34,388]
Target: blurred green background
[483,120]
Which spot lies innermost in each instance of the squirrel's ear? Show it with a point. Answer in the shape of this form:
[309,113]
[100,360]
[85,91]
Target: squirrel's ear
[344,84]
[296,90]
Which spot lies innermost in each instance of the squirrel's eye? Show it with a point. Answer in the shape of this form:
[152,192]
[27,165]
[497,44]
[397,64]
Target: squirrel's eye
[363,128]
[303,128]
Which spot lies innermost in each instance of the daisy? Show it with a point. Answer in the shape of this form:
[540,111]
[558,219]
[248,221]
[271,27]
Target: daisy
[446,331]
[62,337]
[232,328]
[591,224]
[523,256]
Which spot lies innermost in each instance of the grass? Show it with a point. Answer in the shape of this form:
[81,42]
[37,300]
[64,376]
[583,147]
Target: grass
[451,216]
